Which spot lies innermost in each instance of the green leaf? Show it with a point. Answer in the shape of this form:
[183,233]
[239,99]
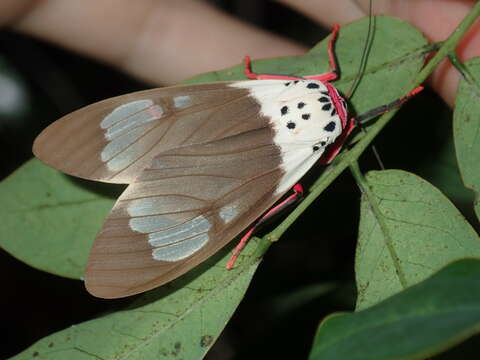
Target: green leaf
[48,221]
[466,130]
[416,232]
[417,323]
[180,320]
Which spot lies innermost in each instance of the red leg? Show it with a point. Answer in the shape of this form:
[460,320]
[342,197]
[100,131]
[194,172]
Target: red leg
[251,75]
[330,76]
[327,77]
[385,108]
[297,193]
[333,74]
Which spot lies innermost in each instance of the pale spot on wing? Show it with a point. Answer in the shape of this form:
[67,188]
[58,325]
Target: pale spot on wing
[178,240]
[124,111]
[182,101]
[180,250]
[131,122]
[121,143]
[194,227]
[172,239]
[228,213]
[151,224]
[156,205]
[123,127]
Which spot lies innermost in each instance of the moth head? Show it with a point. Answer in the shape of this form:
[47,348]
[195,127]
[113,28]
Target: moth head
[312,117]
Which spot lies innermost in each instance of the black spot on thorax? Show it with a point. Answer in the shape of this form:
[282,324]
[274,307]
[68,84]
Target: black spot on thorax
[330,126]
[291,125]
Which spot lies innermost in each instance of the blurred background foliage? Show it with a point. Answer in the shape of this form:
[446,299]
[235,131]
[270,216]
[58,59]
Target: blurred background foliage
[39,83]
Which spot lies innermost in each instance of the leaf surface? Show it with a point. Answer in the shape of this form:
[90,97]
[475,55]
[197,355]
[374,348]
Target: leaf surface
[49,221]
[417,323]
[466,130]
[179,320]
[418,232]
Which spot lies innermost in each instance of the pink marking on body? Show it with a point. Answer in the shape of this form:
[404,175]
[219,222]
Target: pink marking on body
[337,102]
[297,191]
[155,112]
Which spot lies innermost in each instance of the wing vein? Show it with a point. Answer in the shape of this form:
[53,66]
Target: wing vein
[207,119]
[235,151]
[166,213]
[145,152]
[189,175]
[164,195]
[181,240]
[248,181]
[132,114]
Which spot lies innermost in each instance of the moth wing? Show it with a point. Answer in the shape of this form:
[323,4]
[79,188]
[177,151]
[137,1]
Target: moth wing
[115,139]
[188,204]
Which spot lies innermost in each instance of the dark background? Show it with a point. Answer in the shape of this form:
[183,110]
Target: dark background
[318,249]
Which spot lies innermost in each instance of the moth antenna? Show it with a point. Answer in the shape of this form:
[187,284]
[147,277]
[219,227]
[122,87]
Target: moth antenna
[361,71]
[366,51]
[377,156]
[374,150]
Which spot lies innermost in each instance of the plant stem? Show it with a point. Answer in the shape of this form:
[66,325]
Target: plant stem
[449,45]
[462,68]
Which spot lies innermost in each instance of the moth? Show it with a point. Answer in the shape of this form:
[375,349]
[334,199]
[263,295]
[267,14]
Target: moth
[202,162]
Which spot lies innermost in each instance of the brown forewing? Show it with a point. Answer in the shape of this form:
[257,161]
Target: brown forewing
[240,171]
[74,143]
